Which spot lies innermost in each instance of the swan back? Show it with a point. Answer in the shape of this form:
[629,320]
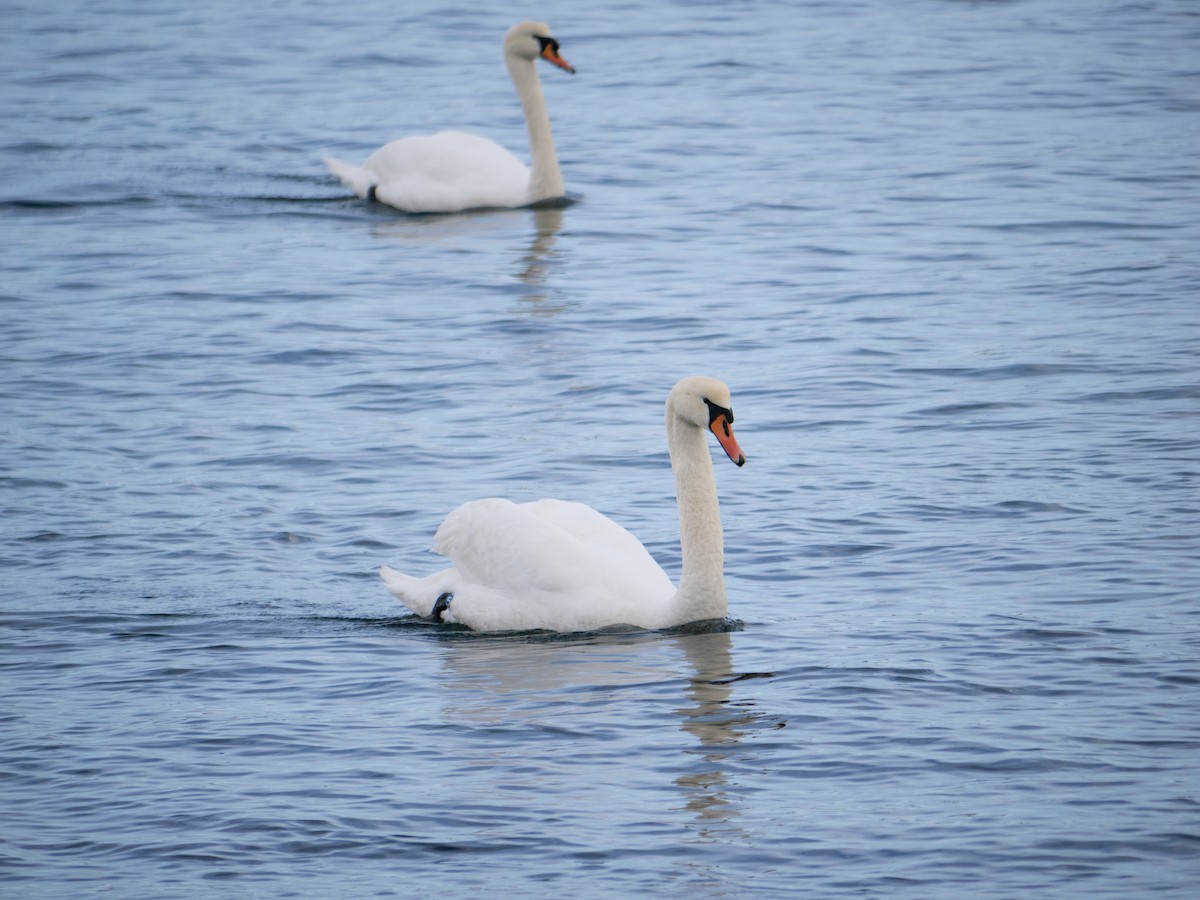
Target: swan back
[446,172]
[548,564]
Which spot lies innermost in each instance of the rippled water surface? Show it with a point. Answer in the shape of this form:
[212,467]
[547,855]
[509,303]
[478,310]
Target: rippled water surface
[944,254]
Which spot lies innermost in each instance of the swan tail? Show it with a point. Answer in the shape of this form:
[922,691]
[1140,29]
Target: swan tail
[428,597]
[355,178]
[406,589]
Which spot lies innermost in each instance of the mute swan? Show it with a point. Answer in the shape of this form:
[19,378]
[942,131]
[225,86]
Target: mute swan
[562,566]
[451,171]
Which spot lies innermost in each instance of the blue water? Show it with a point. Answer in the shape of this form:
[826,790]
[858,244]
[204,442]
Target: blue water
[945,256]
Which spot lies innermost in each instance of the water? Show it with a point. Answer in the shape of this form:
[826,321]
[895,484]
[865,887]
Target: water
[943,253]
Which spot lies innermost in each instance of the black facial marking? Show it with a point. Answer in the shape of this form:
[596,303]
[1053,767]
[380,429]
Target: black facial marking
[544,42]
[714,412]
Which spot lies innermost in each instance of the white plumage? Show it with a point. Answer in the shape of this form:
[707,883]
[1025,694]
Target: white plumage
[453,171]
[562,566]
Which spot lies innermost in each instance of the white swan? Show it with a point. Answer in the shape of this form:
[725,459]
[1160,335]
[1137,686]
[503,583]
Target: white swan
[452,171]
[562,566]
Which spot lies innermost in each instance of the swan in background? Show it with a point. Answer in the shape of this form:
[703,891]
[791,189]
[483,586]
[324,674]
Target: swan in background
[563,566]
[452,171]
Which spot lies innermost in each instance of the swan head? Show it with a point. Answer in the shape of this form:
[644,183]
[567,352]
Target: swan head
[529,40]
[705,403]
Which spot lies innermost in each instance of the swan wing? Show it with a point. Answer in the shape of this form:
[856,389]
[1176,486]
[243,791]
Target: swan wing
[594,528]
[447,172]
[548,564]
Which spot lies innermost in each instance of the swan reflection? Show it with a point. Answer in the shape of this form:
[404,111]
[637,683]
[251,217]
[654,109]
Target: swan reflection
[577,688]
[716,724]
[535,263]
[493,231]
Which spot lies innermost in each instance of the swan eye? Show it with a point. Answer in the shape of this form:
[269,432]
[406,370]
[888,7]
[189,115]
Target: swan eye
[715,412]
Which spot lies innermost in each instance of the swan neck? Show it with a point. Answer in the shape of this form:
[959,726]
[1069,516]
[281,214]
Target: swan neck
[701,593]
[545,180]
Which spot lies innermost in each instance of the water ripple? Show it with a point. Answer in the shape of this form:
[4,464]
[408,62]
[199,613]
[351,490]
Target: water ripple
[950,278]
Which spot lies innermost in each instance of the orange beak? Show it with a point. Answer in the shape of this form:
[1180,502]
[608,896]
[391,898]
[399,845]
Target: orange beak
[550,54]
[723,432]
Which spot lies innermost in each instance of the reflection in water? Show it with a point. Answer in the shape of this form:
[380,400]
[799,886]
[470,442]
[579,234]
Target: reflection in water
[474,230]
[505,680]
[714,724]
[468,230]
[548,222]
[577,682]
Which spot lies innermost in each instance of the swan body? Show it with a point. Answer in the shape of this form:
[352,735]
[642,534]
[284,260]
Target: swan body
[562,566]
[453,171]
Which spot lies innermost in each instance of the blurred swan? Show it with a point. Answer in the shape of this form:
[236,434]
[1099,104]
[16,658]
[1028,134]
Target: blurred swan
[452,171]
[562,566]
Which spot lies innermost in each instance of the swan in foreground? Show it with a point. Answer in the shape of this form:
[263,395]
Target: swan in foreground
[452,171]
[563,566]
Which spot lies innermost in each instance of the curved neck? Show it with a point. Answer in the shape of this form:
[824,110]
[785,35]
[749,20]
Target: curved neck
[701,593]
[545,181]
